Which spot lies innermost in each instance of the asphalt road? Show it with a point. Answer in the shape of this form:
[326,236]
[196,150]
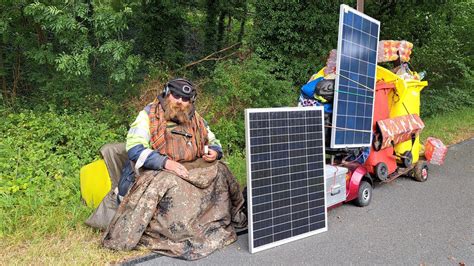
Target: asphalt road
[407,223]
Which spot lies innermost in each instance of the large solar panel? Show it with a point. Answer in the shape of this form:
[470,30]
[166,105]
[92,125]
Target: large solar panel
[285,175]
[355,79]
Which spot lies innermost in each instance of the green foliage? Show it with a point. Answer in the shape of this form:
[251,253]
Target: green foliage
[50,43]
[160,29]
[41,154]
[220,17]
[238,167]
[296,35]
[443,47]
[237,85]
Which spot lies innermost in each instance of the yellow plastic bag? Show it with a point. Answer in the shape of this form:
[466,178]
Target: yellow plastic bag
[95,182]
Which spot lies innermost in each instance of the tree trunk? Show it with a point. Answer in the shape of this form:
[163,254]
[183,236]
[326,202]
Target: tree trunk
[16,75]
[40,33]
[220,30]
[243,19]
[2,73]
[210,27]
[229,23]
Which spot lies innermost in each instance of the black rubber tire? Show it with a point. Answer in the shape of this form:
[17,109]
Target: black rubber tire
[381,171]
[407,159]
[365,194]
[420,173]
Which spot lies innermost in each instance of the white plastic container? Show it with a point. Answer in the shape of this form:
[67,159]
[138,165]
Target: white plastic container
[335,184]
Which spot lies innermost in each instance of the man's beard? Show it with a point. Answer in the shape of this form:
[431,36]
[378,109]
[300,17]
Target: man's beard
[177,112]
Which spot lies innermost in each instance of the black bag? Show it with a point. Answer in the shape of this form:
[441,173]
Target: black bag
[325,89]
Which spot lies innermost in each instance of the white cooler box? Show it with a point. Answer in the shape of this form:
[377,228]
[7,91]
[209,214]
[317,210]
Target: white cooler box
[335,184]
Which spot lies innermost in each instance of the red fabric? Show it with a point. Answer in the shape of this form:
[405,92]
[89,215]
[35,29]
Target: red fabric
[179,148]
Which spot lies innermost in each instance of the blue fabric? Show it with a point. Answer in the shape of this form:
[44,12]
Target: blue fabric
[126,179]
[309,88]
[364,155]
[154,161]
[218,149]
[328,108]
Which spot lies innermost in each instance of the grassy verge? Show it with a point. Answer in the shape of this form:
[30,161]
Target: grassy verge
[450,127]
[81,245]
[78,246]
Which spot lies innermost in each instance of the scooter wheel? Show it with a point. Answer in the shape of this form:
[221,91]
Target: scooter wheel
[364,195]
[407,159]
[421,171]
[381,171]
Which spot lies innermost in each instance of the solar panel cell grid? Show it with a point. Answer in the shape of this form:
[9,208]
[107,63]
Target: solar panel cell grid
[286,173]
[355,79]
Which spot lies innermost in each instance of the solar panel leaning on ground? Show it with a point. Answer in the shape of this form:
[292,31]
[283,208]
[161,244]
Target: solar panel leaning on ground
[355,79]
[285,175]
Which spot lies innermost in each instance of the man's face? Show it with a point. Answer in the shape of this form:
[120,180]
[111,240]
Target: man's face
[175,99]
[177,108]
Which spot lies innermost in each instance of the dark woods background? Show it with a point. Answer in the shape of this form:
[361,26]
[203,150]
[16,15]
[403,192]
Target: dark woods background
[73,74]
[55,54]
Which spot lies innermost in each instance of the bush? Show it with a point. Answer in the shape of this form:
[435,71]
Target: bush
[235,86]
[295,35]
[41,155]
[442,48]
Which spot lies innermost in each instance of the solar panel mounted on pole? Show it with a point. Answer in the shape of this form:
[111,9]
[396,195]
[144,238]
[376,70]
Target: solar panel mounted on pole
[285,175]
[355,79]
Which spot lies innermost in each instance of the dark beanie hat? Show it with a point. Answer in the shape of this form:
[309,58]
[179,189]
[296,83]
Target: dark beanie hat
[182,87]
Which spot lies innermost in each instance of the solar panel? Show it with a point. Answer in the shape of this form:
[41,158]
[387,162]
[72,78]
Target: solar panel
[355,79]
[285,175]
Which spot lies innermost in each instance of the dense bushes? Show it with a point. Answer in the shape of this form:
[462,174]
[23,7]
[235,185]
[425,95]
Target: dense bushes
[296,36]
[239,85]
[41,154]
[443,47]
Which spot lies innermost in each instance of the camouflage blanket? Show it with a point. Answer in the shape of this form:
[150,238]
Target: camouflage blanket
[185,218]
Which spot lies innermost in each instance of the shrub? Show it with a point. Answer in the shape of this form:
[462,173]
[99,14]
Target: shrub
[235,86]
[295,35]
[41,155]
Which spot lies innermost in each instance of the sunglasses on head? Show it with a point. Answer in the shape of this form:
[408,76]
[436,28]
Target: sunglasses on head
[177,97]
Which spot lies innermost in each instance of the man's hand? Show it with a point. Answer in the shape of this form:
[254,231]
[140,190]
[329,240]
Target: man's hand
[177,168]
[211,156]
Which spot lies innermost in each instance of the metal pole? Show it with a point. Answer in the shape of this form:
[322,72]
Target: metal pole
[360,6]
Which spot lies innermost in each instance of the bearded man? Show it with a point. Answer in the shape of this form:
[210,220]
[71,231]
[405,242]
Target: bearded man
[176,197]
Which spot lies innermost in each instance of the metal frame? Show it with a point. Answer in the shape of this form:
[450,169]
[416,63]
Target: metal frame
[344,9]
[253,249]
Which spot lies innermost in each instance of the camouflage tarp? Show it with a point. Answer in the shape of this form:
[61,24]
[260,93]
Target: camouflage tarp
[186,218]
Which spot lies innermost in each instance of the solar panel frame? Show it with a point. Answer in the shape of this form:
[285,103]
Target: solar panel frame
[357,129]
[250,198]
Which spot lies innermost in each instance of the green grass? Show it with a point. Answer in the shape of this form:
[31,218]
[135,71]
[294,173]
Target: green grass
[237,165]
[450,127]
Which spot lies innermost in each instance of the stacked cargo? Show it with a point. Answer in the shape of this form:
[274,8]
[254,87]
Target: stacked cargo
[435,151]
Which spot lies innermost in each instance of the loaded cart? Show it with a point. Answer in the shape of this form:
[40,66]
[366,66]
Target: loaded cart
[371,114]
[357,124]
